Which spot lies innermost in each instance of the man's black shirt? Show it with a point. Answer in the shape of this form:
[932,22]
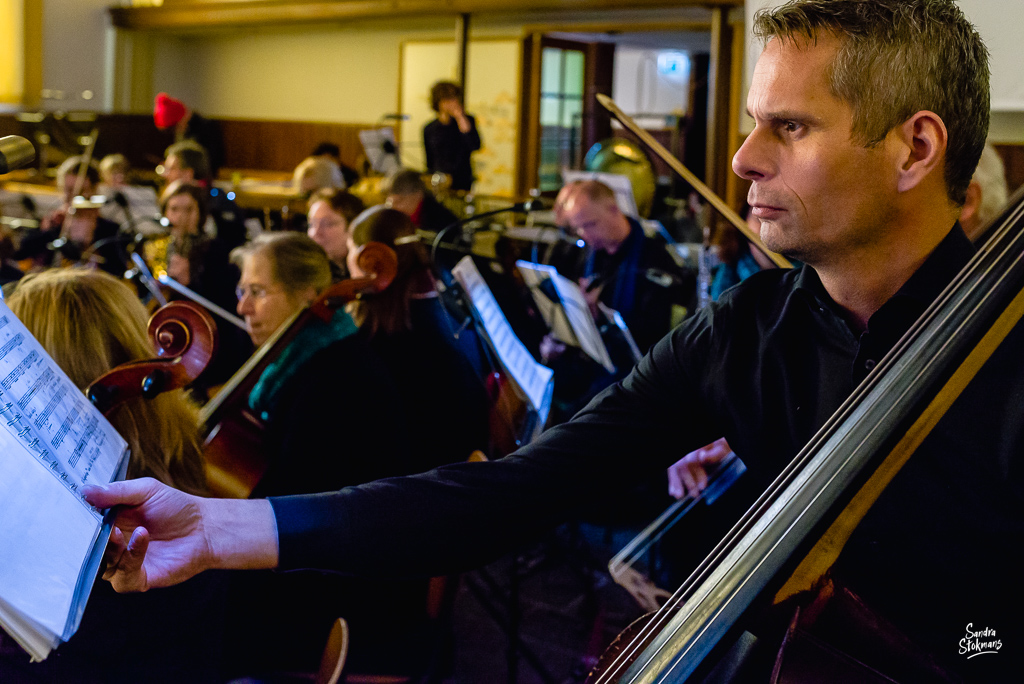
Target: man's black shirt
[764,367]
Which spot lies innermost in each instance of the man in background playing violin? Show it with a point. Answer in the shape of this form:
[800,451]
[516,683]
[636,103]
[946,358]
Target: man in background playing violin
[870,119]
[76,231]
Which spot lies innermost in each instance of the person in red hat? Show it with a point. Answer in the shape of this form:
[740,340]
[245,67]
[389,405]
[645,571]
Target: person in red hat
[169,113]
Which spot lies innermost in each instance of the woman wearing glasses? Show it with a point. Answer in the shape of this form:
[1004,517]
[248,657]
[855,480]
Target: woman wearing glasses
[324,387]
[332,420]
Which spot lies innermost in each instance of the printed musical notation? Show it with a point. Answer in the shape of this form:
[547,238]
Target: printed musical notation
[533,378]
[52,418]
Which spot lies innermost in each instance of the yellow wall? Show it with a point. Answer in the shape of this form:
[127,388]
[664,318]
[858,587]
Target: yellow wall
[11,52]
[338,72]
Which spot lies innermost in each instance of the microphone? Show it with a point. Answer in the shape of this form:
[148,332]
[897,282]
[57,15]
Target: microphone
[15,152]
[517,208]
[66,249]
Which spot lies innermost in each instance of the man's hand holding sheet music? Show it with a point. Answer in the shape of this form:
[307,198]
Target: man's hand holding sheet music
[173,536]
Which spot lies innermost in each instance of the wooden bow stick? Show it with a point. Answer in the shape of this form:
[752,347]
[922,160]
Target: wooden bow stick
[677,166]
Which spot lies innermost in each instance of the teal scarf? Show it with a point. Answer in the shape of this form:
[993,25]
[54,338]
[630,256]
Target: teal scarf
[317,335]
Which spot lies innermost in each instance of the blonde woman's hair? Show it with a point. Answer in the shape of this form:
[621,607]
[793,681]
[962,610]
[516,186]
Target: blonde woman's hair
[90,322]
[316,173]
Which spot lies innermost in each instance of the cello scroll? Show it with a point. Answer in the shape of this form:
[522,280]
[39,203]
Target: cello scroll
[185,338]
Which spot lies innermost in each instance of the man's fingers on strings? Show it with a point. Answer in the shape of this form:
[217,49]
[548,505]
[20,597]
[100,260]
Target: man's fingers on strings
[675,485]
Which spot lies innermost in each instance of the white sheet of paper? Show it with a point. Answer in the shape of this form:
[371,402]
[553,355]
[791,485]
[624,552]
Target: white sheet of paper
[374,142]
[532,377]
[52,415]
[45,534]
[551,312]
[575,308]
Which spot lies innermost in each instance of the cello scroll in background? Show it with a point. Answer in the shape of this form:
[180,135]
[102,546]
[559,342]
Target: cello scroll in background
[185,338]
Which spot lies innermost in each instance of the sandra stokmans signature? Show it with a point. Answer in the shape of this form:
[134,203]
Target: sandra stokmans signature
[979,642]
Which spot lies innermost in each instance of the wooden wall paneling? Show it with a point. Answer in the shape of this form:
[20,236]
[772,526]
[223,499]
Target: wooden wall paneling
[1013,161]
[281,145]
[249,144]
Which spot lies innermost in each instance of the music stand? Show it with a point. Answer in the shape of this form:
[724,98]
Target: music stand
[381,149]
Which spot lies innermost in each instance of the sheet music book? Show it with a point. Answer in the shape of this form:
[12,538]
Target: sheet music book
[381,149]
[52,442]
[534,379]
[569,318]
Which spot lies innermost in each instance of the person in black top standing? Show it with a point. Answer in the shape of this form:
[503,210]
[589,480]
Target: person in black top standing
[451,138]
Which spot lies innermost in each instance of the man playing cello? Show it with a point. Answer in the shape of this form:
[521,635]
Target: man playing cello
[870,118]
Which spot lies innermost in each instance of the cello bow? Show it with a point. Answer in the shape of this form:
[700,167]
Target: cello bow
[687,175]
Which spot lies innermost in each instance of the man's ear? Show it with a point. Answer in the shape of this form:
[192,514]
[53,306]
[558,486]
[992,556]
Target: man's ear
[923,149]
[972,204]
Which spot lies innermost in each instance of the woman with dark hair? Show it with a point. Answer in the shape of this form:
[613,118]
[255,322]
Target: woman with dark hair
[451,138]
[409,328]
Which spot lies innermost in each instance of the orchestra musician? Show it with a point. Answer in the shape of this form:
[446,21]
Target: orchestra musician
[187,161]
[90,322]
[870,117]
[188,125]
[433,359]
[407,193]
[330,213]
[327,384]
[322,400]
[76,229]
[624,269]
[202,264]
[986,195]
